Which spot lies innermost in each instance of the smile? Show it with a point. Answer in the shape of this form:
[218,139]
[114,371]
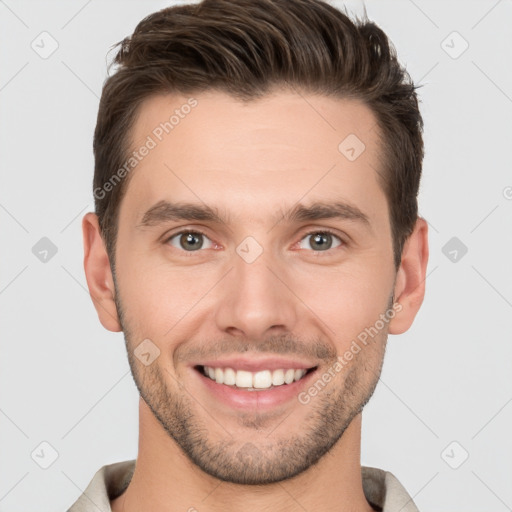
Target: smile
[252,381]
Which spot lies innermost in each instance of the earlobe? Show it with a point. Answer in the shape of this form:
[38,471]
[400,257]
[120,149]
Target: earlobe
[410,279]
[98,274]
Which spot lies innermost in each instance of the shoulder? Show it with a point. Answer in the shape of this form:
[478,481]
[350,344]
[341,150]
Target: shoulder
[383,489]
[108,482]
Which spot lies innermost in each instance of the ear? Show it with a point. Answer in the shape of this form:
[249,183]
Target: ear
[410,279]
[98,273]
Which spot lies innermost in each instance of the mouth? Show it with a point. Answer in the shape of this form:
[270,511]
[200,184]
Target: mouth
[261,389]
[254,381]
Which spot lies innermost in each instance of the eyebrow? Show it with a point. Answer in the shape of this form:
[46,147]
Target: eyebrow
[165,211]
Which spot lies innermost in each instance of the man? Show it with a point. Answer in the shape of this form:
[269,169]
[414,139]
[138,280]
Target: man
[256,238]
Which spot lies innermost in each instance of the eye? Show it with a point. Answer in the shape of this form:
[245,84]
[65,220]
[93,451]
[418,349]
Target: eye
[322,240]
[192,241]
[189,241]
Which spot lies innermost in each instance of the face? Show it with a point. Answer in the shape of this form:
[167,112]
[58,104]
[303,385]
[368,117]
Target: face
[251,247]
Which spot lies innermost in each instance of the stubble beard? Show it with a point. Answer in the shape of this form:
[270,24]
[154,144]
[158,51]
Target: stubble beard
[256,457]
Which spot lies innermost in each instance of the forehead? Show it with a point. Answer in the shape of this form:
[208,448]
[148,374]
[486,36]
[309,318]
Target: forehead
[282,121]
[212,148]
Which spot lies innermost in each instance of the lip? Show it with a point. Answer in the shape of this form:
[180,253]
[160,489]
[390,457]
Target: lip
[255,400]
[255,365]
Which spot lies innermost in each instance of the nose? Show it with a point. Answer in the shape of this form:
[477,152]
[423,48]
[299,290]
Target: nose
[257,299]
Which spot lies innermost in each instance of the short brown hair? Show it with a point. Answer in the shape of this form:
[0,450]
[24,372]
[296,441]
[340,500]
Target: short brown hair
[245,48]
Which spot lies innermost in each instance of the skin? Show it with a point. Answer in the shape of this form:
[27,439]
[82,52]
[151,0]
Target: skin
[253,161]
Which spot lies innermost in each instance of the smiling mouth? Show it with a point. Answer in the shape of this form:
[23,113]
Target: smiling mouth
[254,381]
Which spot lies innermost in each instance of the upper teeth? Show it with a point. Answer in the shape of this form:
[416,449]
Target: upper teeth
[259,380]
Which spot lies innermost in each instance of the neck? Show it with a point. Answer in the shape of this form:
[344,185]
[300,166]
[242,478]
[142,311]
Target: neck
[166,480]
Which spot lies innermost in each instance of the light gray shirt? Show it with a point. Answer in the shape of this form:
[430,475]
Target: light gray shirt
[382,489]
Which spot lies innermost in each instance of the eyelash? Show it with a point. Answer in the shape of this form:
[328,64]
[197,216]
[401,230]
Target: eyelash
[314,232]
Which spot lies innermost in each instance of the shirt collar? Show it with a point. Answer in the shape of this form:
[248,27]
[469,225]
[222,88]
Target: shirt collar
[381,488]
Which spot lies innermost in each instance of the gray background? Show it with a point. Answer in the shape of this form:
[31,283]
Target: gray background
[66,381]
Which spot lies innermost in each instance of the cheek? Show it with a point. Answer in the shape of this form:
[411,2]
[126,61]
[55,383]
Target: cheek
[156,297]
[347,302]
[342,300]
